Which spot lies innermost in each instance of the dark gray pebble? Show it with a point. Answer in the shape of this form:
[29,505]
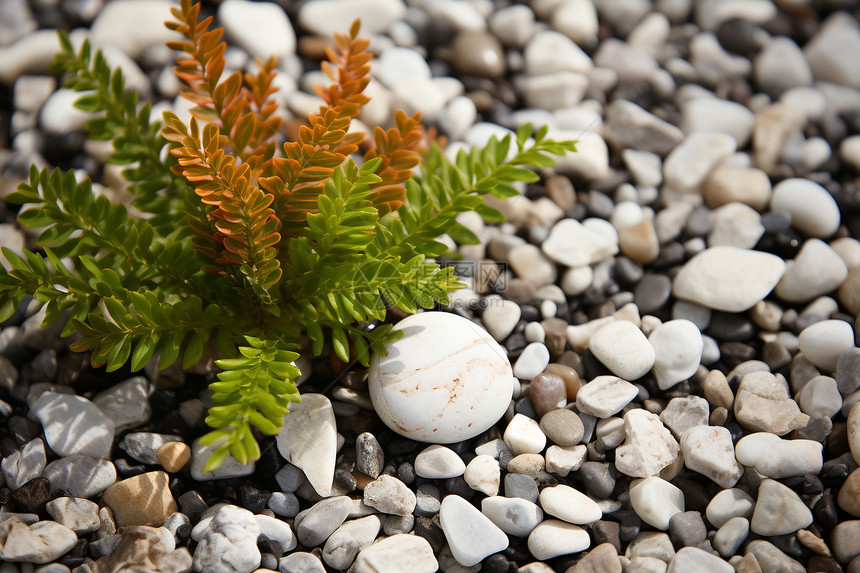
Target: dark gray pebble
[521,485]
[687,529]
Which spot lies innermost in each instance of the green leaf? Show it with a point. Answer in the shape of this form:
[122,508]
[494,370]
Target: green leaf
[193,350]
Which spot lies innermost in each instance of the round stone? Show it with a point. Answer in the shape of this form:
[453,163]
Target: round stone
[678,351]
[478,54]
[622,348]
[548,393]
[813,210]
[563,427]
[824,342]
[444,380]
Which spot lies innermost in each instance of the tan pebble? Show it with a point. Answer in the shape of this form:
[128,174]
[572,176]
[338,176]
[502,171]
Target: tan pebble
[529,464]
[849,292]
[572,382]
[144,499]
[854,431]
[849,494]
[601,559]
[547,392]
[748,564]
[813,542]
[718,417]
[560,189]
[639,242]
[173,456]
[742,184]
[717,390]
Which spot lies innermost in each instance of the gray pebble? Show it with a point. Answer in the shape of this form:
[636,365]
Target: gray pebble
[301,562]
[284,504]
[428,500]
[521,485]
[395,524]
[687,529]
[848,371]
[369,457]
[598,479]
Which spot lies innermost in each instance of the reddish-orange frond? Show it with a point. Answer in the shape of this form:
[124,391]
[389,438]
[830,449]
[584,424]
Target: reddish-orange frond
[398,148]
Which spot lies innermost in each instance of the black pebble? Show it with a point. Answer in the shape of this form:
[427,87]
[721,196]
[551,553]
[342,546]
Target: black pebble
[253,499]
[497,563]
[32,496]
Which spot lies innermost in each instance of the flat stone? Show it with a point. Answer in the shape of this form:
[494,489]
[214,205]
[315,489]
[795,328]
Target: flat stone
[748,185]
[591,247]
[261,29]
[718,115]
[144,499]
[563,427]
[854,432]
[524,436]
[728,538]
[687,166]
[314,525]
[532,265]
[41,542]
[655,501]
[728,278]
[605,396]
[568,504]
[622,348]
[470,534]
[816,270]
[80,476]
[778,510]
[395,554]
[695,559]
[762,404]
[500,317]
[513,515]
[776,458]
[709,451]
[550,51]
[438,462]
[827,52]
[74,425]
[308,440]
[735,225]
[678,349]
[651,544]
[820,397]
[552,538]
[728,504]
[648,448]
[532,361]
[452,393]
[628,126]
[127,403]
[301,562]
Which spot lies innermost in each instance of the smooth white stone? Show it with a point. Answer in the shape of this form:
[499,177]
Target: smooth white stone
[514,25]
[694,559]
[778,510]
[513,515]
[133,25]
[308,440]
[813,210]
[275,529]
[532,361]
[591,160]
[74,425]
[655,501]
[470,534]
[530,264]
[823,342]
[127,403]
[816,270]
[41,542]
[829,52]
[781,66]
[348,540]
[570,505]
[572,244]
[549,51]
[32,53]
[445,380]
[690,162]
[709,451]
[723,116]
[553,538]
[728,278]
[605,396]
[728,504]
[729,537]
[524,436]
[59,116]
[678,351]
[762,404]
[776,458]
[325,17]
[651,544]
[438,462]
[649,446]
[261,28]
[820,397]
[622,348]
[483,474]
[578,336]
[79,515]
[576,19]
[395,554]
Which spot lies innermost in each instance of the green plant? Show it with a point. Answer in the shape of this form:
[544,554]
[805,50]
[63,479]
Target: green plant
[241,248]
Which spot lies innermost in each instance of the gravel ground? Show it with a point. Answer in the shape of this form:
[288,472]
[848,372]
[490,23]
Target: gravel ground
[677,303]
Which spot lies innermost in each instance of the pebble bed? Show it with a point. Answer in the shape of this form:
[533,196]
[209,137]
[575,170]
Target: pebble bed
[678,302]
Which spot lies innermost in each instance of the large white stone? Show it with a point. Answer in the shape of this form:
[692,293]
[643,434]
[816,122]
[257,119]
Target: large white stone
[690,162]
[605,396]
[709,451]
[513,515]
[823,342]
[570,505]
[678,348]
[778,510]
[816,270]
[325,17]
[445,380]
[397,553]
[553,538]
[728,278]
[649,446]
[813,210]
[133,25]
[308,440]
[622,348]
[572,244]
[261,28]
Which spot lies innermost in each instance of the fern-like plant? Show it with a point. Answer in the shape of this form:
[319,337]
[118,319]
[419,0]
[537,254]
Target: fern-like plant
[241,247]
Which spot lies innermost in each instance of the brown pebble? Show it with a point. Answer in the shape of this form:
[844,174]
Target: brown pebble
[144,499]
[717,390]
[601,559]
[529,464]
[478,54]
[718,417]
[813,542]
[819,564]
[547,392]
[849,494]
[173,456]
[361,480]
[748,564]
[556,339]
[561,191]
[639,242]
[563,427]
[571,379]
